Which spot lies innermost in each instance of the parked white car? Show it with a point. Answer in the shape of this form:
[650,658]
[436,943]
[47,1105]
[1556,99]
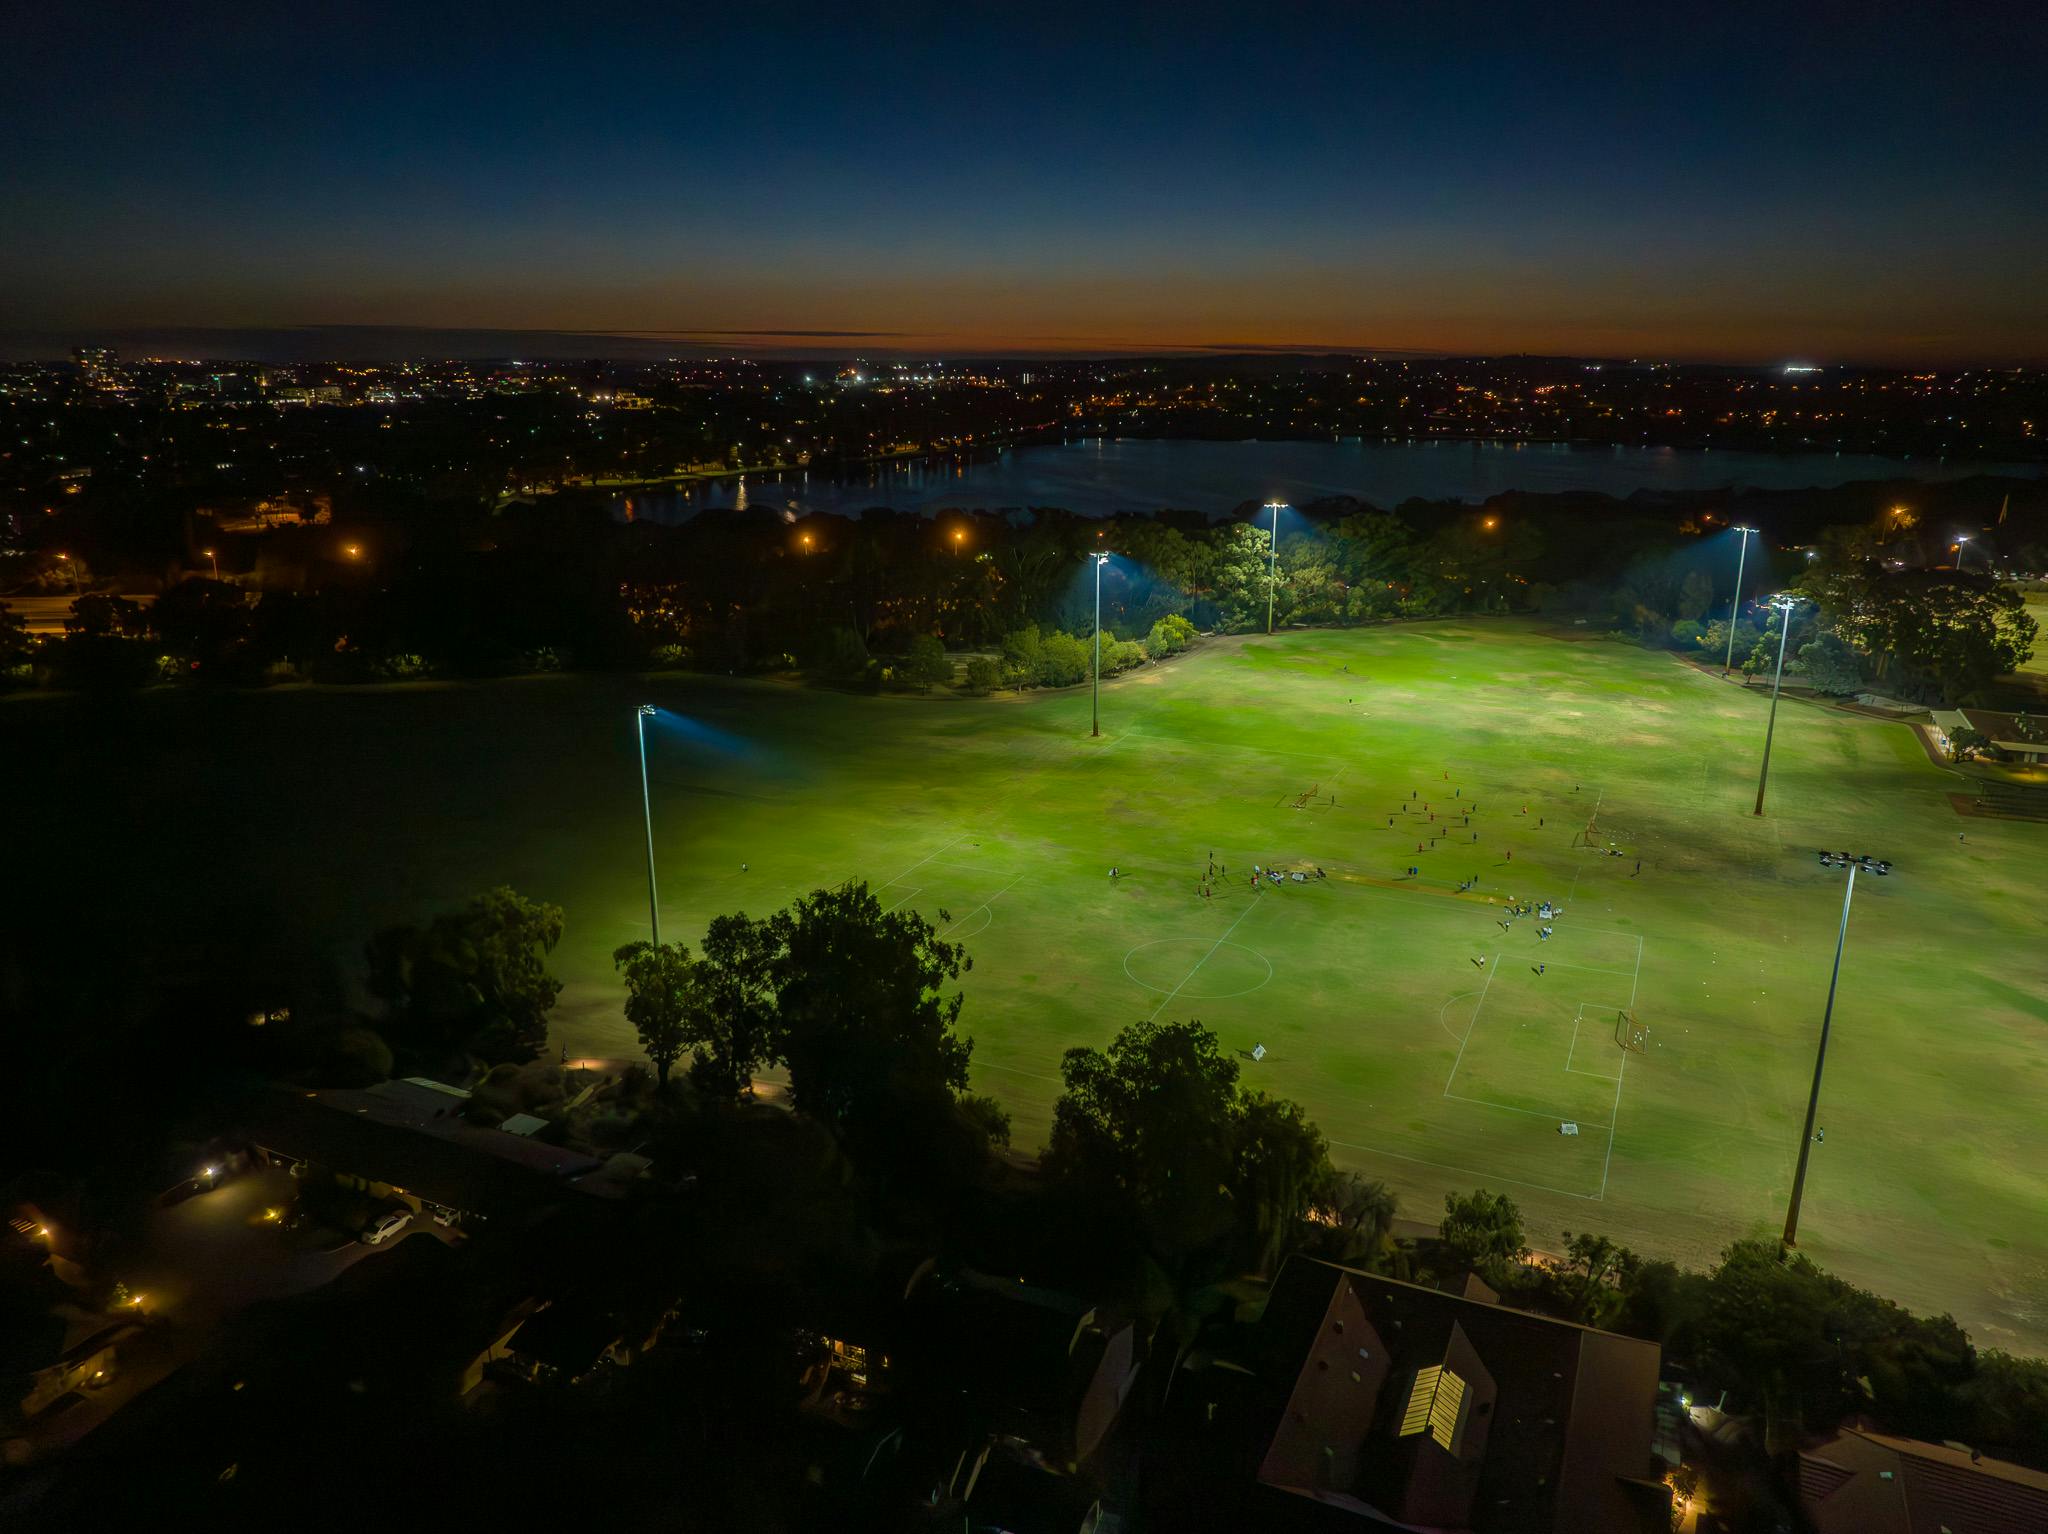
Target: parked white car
[385,1226]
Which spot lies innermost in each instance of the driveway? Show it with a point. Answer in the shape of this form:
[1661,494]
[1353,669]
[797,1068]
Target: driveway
[208,1255]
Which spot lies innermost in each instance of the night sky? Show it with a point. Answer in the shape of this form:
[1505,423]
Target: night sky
[1865,183]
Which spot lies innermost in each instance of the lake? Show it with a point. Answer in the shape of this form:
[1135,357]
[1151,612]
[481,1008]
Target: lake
[1100,476]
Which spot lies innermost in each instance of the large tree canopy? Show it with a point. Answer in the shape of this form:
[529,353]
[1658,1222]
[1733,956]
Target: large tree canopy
[662,990]
[859,1012]
[473,980]
[1157,1129]
[1936,631]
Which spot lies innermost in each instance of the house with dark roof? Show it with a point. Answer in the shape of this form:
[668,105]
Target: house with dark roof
[1857,1481]
[2015,737]
[408,1140]
[1358,1402]
[1045,1375]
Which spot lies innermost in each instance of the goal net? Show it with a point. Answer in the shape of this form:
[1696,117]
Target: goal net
[1628,1033]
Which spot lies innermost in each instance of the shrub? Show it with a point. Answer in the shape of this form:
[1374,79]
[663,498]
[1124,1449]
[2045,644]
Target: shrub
[1063,660]
[1021,653]
[356,1057]
[844,657]
[1170,635]
[927,663]
[984,675]
[987,1115]
[1121,655]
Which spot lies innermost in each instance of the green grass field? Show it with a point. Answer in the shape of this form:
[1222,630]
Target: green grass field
[999,820]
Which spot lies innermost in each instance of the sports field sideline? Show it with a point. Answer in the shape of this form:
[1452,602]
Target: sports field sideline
[1000,820]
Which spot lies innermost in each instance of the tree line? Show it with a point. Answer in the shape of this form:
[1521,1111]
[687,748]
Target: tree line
[897,599]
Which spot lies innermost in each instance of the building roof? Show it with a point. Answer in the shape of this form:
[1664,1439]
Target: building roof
[2019,733]
[1405,1406]
[445,1161]
[1872,1483]
[570,1335]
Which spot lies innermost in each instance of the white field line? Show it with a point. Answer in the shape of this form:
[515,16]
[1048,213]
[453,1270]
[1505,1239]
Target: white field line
[1598,799]
[904,901]
[1569,1068]
[1589,969]
[988,1065]
[1184,979]
[988,903]
[1491,1177]
[1477,1006]
[914,867]
[1607,1165]
[1534,1113]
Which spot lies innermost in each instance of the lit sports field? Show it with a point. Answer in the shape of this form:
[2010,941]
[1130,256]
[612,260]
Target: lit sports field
[1000,820]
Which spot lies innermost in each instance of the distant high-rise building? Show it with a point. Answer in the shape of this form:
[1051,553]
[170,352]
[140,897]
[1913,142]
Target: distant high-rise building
[96,363]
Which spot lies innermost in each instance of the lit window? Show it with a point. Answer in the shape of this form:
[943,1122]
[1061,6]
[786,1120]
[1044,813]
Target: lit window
[1436,1403]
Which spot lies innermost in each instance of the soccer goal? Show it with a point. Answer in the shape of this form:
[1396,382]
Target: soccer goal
[1628,1033]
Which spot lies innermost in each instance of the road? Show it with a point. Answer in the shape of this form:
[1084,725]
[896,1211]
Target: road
[201,1259]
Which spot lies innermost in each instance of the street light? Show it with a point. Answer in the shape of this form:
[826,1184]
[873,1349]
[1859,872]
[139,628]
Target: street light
[1100,559]
[216,563]
[1961,540]
[76,588]
[640,718]
[1736,606]
[1785,607]
[1273,562]
[1791,1236]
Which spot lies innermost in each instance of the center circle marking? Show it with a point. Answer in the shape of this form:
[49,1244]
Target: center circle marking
[1225,969]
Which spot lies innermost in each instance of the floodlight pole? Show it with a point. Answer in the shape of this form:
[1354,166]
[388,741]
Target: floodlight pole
[1791,1236]
[647,814]
[1784,633]
[1272,563]
[1095,705]
[1735,607]
[1962,543]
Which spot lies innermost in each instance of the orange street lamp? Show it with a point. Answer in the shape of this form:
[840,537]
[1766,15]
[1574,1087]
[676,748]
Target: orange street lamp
[216,563]
[76,587]
[1490,522]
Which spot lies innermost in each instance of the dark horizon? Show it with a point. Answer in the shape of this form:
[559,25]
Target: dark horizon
[341,344]
[1727,186]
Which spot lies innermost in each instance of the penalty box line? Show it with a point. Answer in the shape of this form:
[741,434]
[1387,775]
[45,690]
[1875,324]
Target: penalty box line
[1607,1163]
[1493,968]
[1466,1171]
[1577,1019]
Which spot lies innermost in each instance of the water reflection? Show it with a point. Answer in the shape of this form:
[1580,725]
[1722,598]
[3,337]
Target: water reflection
[1101,476]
